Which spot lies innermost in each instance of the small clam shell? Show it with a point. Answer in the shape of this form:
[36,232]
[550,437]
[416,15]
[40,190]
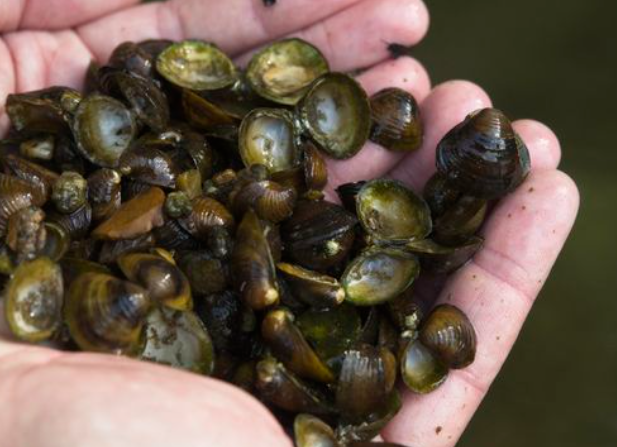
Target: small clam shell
[483,156]
[268,137]
[396,120]
[378,275]
[206,273]
[27,233]
[335,113]
[33,300]
[252,264]
[104,193]
[289,345]
[103,128]
[38,148]
[178,339]
[57,242]
[136,217]
[278,386]
[196,65]
[310,431]
[312,288]
[315,168]
[390,211]
[172,236]
[420,370]
[271,201]
[69,192]
[450,336]
[133,58]
[439,194]
[365,368]
[15,194]
[41,179]
[149,165]
[283,70]
[348,192]
[205,215]
[77,224]
[405,311]
[165,283]
[204,114]
[106,314]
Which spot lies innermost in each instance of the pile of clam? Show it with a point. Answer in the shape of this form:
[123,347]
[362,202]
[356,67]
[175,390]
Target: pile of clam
[175,212]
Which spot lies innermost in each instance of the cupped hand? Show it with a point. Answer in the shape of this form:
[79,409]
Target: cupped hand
[50,398]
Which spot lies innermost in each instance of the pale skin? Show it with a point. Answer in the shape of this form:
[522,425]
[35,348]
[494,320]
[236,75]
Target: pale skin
[50,398]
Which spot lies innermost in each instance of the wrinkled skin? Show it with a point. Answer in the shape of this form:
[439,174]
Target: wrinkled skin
[49,399]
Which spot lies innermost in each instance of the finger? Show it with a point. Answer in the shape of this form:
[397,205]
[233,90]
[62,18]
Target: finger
[235,25]
[54,14]
[133,403]
[496,290]
[446,106]
[359,36]
[544,147]
[373,160]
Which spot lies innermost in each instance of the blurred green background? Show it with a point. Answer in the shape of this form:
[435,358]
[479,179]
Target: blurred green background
[556,61]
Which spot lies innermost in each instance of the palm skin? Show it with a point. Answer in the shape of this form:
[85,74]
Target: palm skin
[51,398]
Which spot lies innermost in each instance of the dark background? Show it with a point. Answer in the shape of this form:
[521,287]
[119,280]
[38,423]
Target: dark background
[556,61]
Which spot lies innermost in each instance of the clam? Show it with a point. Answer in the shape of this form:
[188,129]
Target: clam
[461,221]
[283,70]
[77,224]
[335,113]
[278,386]
[106,314]
[420,370]
[196,65]
[46,111]
[206,214]
[204,114]
[112,250]
[134,218]
[57,242]
[351,433]
[268,137]
[33,300]
[268,199]
[69,192]
[190,183]
[483,156]
[164,282]
[132,58]
[442,259]
[206,274]
[103,128]
[289,345]
[310,431]
[178,204]
[378,275]
[178,339]
[40,178]
[389,211]
[450,336]
[319,235]
[312,288]
[396,120]
[365,368]
[348,192]
[252,265]
[315,168]
[439,194]
[148,164]
[104,193]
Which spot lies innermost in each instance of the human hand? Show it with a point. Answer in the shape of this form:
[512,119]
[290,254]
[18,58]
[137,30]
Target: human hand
[50,398]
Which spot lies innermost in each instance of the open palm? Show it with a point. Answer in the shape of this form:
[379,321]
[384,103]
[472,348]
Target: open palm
[50,398]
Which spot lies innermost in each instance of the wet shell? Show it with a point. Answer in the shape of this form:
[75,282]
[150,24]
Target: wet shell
[450,336]
[196,65]
[390,211]
[69,192]
[439,194]
[315,168]
[112,250]
[378,275]
[310,431]
[133,58]
[268,137]
[276,385]
[252,265]
[461,221]
[441,259]
[283,71]
[206,273]
[136,217]
[483,156]
[104,193]
[77,224]
[40,178]
[40,148]
[164,282]
[26,234]
[289,345]
[105,314]
[103,128]
[420,370]
[396,120]
[270,200]
[312,288]
[147,164]
[178,339]
[335,113]
[15,194]
[33,300]
[205,215]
